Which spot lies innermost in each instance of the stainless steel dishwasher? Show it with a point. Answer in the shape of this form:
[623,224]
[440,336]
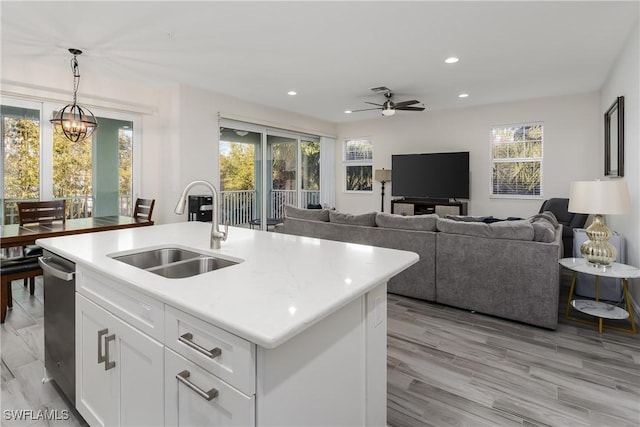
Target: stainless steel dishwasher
[59,322]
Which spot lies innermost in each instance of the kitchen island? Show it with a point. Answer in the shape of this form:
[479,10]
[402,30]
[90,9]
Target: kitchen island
[293,334]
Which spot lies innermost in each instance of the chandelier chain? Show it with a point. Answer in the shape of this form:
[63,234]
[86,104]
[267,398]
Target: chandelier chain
[75,68]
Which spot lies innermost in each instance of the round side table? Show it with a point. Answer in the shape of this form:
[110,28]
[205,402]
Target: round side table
[597,308]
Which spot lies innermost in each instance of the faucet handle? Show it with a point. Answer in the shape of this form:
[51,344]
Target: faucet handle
[225,233]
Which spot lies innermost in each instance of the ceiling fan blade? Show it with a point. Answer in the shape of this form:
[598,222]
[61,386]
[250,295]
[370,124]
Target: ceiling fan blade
[366,109]
[410,108]
[373,103]
[405,103]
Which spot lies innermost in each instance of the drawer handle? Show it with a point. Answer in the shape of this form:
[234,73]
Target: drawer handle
[105,358]
[187,339]
[101,333]
[183,377]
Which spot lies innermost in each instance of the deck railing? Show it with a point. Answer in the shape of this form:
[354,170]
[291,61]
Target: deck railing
[240,207]
[236,207]
[77,207]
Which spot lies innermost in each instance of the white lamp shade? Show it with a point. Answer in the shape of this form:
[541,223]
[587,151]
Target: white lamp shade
[610,197]
[382,175]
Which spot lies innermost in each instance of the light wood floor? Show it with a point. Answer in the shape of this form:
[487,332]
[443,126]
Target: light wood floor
[450,367]
[446,367]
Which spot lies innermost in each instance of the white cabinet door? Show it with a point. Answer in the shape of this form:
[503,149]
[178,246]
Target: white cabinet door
[195,397]
[119,370]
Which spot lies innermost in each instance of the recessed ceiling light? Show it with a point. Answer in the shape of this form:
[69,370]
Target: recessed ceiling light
[348,111]
[463,95]
[292,93]
[451,60]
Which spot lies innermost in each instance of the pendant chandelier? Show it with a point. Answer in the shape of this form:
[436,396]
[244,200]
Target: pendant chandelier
[74,121]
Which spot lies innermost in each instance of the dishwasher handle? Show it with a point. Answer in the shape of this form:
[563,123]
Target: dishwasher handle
[48,267]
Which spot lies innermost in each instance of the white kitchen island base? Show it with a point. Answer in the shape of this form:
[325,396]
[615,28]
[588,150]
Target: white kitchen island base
[332,374]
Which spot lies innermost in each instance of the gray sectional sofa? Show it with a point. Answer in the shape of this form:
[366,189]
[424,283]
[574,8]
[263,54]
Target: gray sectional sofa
[507,269]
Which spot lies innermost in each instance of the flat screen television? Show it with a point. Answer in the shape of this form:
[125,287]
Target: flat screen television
[430,176]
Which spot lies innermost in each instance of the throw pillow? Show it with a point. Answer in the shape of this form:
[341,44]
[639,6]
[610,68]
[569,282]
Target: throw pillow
[548,215]
[367,219]
[417,222]
[543,231]
[310,214]
[544,226]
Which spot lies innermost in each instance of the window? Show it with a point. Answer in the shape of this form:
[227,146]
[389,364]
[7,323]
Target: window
[516,156]
[73,174]
[251,191]
[358,162]
[21,154]
[95,176]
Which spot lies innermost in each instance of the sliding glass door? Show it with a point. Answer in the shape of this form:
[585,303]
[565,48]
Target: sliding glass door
[240,176]
[309,172]
[282,159]
[256,197]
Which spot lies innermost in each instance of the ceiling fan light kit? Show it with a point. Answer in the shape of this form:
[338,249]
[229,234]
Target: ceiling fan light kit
[389,107]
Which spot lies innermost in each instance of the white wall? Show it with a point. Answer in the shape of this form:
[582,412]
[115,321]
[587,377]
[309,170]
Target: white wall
[32,79]
[191,149]
[179,124]
[624,79]
[572,146]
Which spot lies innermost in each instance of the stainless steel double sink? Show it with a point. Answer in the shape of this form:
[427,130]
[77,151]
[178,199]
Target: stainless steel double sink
[174,263]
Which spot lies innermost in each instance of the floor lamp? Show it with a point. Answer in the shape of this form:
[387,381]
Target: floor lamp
[382,175]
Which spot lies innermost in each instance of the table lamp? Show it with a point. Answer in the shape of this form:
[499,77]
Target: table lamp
[382,175]
[610,197]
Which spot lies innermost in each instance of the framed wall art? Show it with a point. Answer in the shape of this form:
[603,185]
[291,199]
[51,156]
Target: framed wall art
[614,139]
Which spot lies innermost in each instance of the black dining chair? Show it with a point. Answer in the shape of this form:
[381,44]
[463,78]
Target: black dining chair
[45,212]
[144,209]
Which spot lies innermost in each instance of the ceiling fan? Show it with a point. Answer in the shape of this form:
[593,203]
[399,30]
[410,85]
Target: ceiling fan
[389,107]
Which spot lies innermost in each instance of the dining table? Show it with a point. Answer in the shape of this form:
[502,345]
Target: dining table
[22,235]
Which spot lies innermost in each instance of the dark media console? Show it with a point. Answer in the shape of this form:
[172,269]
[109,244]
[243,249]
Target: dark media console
[426,206]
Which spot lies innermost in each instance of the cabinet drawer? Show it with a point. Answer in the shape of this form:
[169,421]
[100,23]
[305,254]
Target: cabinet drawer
[135,308]
[186,400]
[225,355]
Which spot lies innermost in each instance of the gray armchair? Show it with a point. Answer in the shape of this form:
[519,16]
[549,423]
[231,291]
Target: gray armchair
[569,220]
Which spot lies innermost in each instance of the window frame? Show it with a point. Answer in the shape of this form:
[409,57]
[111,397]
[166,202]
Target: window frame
[539,160]
[46,109]
[359,162]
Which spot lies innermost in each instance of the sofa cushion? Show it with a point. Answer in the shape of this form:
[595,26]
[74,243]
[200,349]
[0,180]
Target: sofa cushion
[366,219]
[467,218]
[310,214]
[511,230]
[417,222]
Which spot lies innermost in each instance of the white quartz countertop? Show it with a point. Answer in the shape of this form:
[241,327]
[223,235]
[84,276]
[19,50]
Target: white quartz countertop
[283,285]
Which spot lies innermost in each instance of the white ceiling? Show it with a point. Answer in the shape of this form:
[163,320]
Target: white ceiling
[331,53]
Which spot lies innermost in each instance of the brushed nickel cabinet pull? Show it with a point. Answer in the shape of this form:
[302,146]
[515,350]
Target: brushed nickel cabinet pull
[101,333]
[107,363]
[183,377]
[187,339]
[105,357]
